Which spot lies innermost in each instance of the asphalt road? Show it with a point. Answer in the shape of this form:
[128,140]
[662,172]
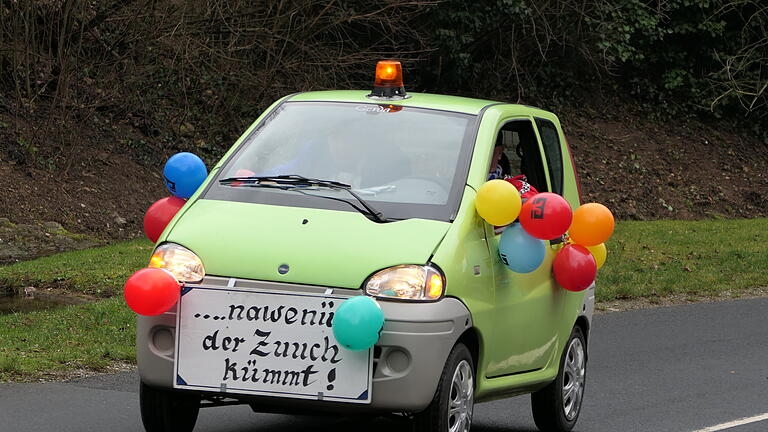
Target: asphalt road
[681,368]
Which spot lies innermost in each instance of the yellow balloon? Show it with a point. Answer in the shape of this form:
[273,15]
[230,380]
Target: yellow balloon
[599,252]
[498,202]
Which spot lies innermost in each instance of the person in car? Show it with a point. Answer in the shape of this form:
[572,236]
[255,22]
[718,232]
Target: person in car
[500,169]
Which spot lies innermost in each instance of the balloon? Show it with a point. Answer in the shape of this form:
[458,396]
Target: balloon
[159,215]
[151,291]
[574,267]
[184,173]
[599,252]
[242,173]
[546,216]
[498,202]
[521,252]
[592,224]
[357,323]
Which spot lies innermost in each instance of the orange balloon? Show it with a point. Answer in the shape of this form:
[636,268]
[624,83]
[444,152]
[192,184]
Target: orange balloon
[592,224]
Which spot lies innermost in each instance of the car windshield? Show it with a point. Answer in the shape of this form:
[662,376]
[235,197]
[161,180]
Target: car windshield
[408,162]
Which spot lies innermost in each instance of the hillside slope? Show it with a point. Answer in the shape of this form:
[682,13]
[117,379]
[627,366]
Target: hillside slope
[99,183]
[642,169]
[85,175]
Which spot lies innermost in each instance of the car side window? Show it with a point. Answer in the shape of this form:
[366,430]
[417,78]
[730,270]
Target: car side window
[521,149]
[551,141]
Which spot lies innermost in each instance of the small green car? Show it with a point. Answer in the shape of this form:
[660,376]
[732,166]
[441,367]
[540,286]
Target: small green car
[335,194]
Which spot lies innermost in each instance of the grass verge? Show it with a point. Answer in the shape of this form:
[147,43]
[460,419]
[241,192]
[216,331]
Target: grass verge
[96,336]
[689,260]
[50,344]
[98,272]
[647,261]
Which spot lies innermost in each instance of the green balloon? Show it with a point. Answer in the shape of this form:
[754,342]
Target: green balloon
[357,323]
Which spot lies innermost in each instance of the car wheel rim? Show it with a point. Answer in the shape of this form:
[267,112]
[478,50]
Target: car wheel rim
[574,372]
[461,399]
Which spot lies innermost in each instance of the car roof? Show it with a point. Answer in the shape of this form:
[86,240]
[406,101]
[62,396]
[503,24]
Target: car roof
[420,100]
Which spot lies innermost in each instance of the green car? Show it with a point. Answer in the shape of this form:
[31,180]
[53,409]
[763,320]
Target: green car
[336,194]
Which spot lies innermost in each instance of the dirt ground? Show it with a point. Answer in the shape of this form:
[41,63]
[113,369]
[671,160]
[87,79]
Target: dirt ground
[93,183]
[621,305]
[644,170]
[95,180]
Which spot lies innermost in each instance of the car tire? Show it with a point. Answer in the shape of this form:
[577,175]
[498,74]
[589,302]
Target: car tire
[166,411]
[451,408]
[556,407]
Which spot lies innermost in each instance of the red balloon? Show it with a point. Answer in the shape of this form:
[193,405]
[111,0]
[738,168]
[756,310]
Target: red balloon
[151,291]
[159,215]
[574,267]
[546,216]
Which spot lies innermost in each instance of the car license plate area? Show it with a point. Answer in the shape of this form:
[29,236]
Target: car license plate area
[269,343]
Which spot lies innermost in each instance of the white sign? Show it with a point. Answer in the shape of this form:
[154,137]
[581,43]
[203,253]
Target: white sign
[266,343]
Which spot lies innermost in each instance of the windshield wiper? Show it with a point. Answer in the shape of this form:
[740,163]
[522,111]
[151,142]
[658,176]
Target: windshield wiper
[285,179]
[296,182]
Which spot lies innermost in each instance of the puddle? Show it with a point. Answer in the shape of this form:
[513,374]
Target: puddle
[13,303]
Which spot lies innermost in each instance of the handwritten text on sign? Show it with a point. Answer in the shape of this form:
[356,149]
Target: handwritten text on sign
[267,343]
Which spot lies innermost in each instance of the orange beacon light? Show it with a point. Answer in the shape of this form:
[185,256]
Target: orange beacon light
[389,81]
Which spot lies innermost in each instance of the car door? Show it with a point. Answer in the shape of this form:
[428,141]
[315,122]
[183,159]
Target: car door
[528,307]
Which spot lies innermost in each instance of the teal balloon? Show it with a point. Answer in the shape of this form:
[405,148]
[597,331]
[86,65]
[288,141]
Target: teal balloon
[519,251]
[357,323]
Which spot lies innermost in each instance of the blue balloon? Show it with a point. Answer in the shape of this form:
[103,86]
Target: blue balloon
[519,251]
[184,173]
[357,323]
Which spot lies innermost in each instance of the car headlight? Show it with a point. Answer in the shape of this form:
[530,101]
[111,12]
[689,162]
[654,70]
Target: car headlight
[180,261]
[406,282]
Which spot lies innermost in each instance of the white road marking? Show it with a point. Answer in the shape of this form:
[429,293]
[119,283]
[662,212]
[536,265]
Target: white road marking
[735,423]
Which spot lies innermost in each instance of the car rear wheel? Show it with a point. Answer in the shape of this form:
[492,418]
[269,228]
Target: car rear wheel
[166,411]
[556,407]
[451,409]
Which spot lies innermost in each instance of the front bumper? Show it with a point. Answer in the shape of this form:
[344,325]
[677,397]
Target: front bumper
[409,357]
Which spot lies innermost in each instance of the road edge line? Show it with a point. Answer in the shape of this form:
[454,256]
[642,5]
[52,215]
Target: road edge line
[734,423]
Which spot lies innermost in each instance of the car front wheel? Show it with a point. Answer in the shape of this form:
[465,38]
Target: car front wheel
[556,407]
[451,409]
[166,411]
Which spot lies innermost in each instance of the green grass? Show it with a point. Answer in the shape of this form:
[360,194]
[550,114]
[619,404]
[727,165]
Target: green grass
[43,344]
[91,336]
[98,272]
[646,260]
[693,259]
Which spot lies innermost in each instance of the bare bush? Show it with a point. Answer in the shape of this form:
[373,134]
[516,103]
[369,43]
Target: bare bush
[192,74]
[744,73]
[212,63]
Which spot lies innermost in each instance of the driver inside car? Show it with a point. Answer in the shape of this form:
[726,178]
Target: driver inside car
[500,169]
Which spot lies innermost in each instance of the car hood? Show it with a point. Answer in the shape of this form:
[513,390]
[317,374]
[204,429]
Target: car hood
[320,247]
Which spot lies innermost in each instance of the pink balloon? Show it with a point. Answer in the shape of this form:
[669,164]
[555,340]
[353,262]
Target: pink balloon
[242,172]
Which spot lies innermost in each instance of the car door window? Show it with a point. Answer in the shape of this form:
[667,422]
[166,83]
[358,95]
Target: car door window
[521,149]
[551,142]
